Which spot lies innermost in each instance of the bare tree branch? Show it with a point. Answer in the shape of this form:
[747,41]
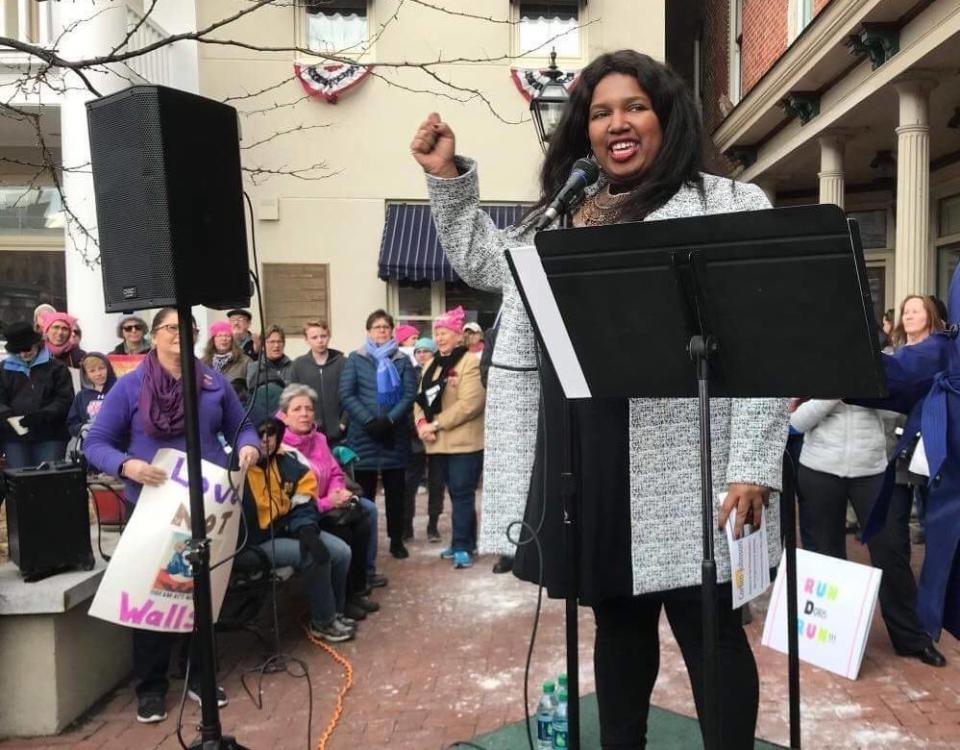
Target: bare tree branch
[273,136]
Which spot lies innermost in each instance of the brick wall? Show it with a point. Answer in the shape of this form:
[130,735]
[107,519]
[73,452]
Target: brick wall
[764,38]
[715,66]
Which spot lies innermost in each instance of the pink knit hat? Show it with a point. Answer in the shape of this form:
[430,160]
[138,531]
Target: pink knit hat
[48,319]
[452,320]
[404,332]
[221,326]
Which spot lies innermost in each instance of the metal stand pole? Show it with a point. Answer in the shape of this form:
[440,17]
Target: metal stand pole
[701,348]
[789,511]
[211,735]
[568,493]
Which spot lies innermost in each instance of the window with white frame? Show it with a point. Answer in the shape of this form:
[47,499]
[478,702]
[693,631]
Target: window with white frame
[804,14]
[736,49]
[948,241]
[340,26]
[543,26]
[418,303]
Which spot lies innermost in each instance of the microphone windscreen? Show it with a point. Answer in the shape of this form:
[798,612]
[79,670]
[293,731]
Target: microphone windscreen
[588,168]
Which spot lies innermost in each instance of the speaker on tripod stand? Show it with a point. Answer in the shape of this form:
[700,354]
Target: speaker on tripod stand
[169,195]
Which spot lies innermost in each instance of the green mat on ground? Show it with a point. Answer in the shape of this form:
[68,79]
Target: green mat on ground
[666,730]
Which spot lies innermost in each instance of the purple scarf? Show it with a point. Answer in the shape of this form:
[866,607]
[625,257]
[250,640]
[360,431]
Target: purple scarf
[161,399]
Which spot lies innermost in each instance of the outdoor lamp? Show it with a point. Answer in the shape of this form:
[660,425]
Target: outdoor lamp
[546,108]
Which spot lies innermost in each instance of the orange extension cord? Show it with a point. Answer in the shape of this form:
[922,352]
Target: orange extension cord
[338,709]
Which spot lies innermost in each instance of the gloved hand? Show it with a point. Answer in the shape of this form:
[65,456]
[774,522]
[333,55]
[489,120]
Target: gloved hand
[31,421]
[379,429]
[310,542]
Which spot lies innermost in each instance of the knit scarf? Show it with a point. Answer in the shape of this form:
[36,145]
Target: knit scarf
[221,360]
[389,388]
[161,399]
[436,376]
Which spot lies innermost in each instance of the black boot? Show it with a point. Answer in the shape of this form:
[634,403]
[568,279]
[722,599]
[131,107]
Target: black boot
[398,550]
[433,534]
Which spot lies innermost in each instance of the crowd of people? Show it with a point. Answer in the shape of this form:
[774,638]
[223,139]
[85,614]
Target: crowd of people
[316,436]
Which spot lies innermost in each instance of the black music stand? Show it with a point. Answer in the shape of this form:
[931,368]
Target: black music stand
[756,304]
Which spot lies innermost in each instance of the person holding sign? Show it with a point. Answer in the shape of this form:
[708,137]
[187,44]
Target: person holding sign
[142,414]
[640,494]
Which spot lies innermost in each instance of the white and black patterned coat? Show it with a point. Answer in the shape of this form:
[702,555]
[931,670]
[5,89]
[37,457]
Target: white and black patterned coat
[748,434]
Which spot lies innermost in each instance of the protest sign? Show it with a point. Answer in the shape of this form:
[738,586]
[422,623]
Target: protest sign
[149,581]
[835,604]
[125,363]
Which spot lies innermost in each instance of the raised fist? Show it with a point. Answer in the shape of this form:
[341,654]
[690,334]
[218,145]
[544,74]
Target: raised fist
[433,146]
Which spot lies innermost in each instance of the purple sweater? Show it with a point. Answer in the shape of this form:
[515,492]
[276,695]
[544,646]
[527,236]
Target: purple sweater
[117,433]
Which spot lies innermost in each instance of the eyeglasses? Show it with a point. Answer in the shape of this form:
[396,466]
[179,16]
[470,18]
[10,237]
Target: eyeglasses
[381,327]
[131,328]
[174,328]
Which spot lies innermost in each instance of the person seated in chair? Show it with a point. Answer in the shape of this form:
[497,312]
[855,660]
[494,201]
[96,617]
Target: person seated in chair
[279,505]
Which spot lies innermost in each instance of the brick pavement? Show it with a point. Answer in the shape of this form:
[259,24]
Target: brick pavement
[444,660]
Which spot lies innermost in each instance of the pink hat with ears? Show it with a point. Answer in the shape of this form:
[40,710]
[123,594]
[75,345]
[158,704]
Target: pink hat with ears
[452,320]
[48,319]
[221,326]
[405,331]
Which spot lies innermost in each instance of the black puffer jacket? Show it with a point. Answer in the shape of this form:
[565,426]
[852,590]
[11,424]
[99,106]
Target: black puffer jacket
[42,398]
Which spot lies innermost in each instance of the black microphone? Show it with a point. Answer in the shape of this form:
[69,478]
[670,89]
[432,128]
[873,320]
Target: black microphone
[583,174]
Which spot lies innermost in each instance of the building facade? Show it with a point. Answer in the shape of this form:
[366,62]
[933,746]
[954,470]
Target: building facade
[852,102]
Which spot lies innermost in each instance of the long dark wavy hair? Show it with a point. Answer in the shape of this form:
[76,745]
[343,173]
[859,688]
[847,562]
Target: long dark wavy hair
[680,159]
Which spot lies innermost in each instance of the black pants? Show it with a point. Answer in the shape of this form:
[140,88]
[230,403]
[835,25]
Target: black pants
[421,463]
[151,660]
[823,514]
[626,660]
[357,537]
[393,485]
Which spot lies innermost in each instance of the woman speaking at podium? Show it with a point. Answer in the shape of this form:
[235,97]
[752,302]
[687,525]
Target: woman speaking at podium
[640,544]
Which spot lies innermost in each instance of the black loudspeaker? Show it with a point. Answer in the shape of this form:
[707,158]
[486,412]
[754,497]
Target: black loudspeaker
[169,193]
[48,519]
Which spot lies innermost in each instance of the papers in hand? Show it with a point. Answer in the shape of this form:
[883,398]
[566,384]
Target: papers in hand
[749,566]
[18,428]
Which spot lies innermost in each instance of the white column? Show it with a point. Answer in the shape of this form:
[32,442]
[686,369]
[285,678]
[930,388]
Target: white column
[769,187]
[912,256]
[831,168]
[98,29]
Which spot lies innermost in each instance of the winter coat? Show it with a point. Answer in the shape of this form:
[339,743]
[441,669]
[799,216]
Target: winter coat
[840,439]
[117,435]
[749,435]
[85,408]
[358,394]
[260,373]
[325,380]
[461,416]
[269,498]
[41,392]
[313,450]
[235,369]
[121,348]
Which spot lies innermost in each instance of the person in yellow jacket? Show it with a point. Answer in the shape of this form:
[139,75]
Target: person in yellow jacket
[448,412]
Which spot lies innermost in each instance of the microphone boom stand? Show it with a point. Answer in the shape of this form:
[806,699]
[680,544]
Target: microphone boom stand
[211,734]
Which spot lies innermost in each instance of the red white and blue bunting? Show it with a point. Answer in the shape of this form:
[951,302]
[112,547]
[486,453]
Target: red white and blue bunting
[331,80]
[530,81]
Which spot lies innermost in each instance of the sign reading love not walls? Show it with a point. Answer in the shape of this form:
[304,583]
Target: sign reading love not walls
[149,582]
[835,604]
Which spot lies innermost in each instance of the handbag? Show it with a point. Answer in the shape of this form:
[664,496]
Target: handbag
[347,515]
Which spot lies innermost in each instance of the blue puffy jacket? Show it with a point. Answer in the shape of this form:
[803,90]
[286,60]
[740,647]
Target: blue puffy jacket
[358,395]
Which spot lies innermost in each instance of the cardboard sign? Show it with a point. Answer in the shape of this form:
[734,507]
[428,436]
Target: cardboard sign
[149,581]
[835,604]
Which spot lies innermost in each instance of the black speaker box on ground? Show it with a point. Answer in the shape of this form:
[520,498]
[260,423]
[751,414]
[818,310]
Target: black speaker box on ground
[169,194]
[48,519]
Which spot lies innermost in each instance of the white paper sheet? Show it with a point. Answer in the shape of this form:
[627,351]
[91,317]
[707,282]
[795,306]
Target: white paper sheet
[749,566]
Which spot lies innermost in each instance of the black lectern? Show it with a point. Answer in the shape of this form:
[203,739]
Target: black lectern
[756,304]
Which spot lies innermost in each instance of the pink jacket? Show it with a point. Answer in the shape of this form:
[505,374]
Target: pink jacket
[313,447]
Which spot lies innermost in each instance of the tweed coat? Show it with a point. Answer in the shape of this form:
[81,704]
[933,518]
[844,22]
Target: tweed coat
[748,435]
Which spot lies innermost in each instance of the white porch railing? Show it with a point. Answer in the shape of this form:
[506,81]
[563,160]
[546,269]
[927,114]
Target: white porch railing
[28,20]
[152,67]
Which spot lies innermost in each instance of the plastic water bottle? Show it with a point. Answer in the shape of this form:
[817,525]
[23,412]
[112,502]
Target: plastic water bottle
[560,736]
[561,682]
[546,710]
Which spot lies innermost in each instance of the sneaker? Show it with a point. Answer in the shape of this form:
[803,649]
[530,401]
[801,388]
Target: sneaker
[433,536]
[150,709]
[462,559]
[193,694]
[367,605]
[398,550]
[346,621]
[377,580]
[447,554]
[354,612]
[332,632]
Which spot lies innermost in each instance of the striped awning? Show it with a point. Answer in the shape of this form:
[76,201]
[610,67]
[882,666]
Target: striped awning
[410,248]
